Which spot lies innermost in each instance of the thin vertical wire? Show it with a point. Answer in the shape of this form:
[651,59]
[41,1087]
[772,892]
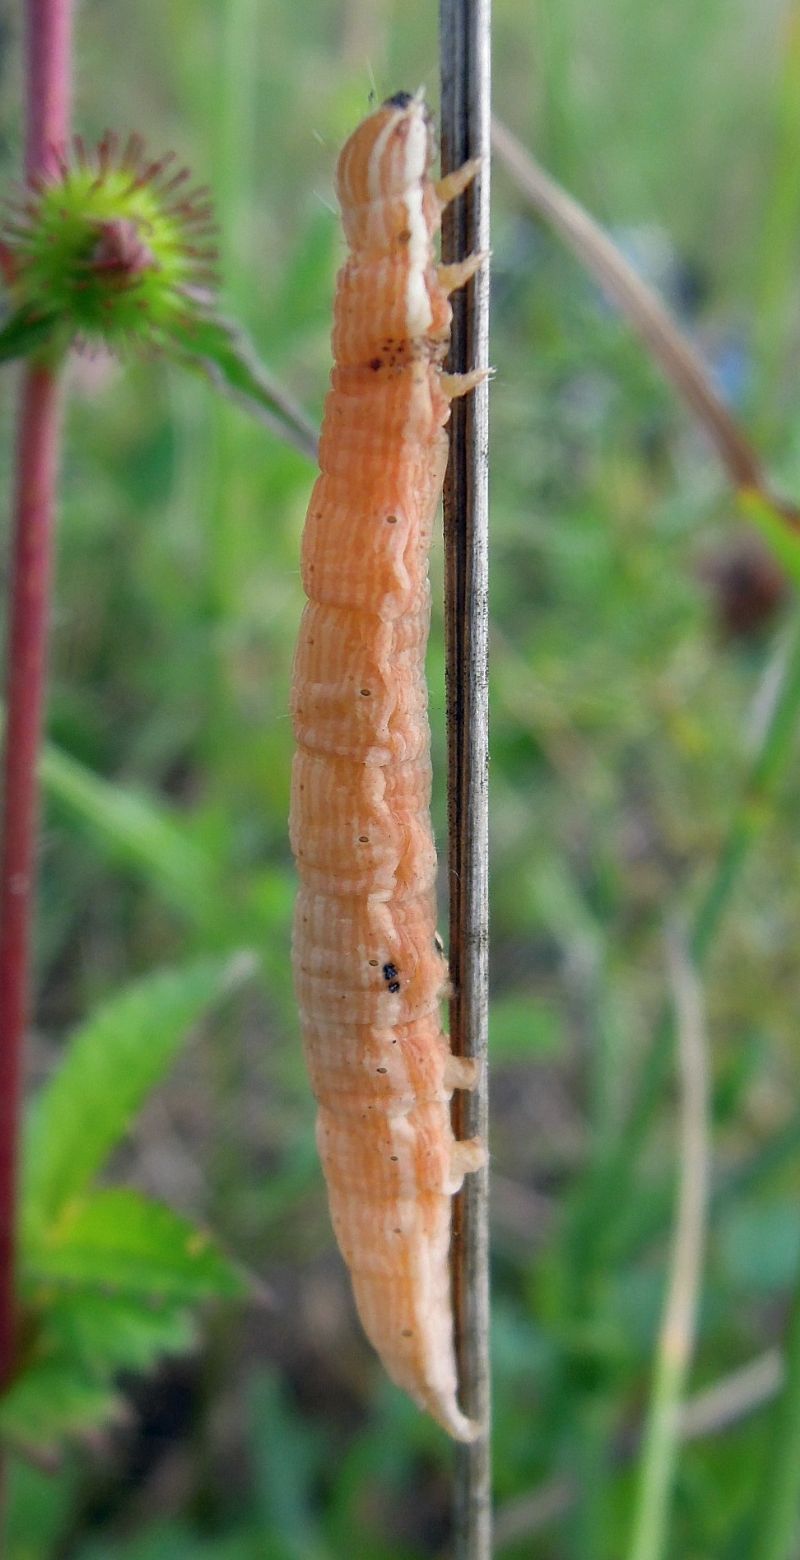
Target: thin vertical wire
[465,109]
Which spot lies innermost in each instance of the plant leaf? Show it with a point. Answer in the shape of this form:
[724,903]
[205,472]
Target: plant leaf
[40,1508]
[23,333]
[113,1062]
[51,1400]
[82,1340]
[106,1333]
[217,348]
[122,1241]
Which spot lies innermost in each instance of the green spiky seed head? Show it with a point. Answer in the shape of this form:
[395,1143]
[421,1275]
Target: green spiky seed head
[110,244]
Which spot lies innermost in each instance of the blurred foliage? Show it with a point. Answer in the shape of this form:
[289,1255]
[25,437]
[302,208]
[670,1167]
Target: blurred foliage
[106,1277]
[635,662]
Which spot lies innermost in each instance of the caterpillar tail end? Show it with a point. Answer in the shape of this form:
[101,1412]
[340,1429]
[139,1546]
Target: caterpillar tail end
[451,1419]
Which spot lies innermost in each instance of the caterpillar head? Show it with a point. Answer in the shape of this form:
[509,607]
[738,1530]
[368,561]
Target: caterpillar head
[382,179]
[389,153]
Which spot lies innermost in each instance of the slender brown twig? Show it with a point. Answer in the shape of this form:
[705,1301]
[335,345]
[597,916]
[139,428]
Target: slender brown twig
[465,56]
[48,39]
[649,318]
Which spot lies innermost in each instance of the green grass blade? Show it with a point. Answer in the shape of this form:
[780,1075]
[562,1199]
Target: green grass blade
[135,828]
[753,812]
[778,1517]
[676,1338]
[778,527]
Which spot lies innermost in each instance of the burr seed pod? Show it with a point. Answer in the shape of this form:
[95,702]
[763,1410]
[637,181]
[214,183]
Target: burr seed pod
[111,243]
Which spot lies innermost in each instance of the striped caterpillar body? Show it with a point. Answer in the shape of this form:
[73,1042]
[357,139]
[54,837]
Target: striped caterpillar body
[369,971]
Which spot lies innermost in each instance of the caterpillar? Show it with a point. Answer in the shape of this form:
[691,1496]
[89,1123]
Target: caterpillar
[368,964]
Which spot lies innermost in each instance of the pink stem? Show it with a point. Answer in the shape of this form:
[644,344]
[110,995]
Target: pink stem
[48,48]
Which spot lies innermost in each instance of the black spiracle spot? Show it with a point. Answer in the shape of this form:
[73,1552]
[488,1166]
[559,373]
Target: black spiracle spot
[390,973]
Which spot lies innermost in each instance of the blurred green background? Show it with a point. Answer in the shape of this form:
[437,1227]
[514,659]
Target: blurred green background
[639,639]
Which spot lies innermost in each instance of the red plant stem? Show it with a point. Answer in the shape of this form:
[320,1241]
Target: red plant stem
[48,53]
[48,49]
[37,456]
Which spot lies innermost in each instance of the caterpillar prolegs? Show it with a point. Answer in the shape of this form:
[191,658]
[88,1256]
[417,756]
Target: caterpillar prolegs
[368,964]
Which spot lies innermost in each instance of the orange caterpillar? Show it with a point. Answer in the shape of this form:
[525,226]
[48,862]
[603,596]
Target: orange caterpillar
[368,964]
